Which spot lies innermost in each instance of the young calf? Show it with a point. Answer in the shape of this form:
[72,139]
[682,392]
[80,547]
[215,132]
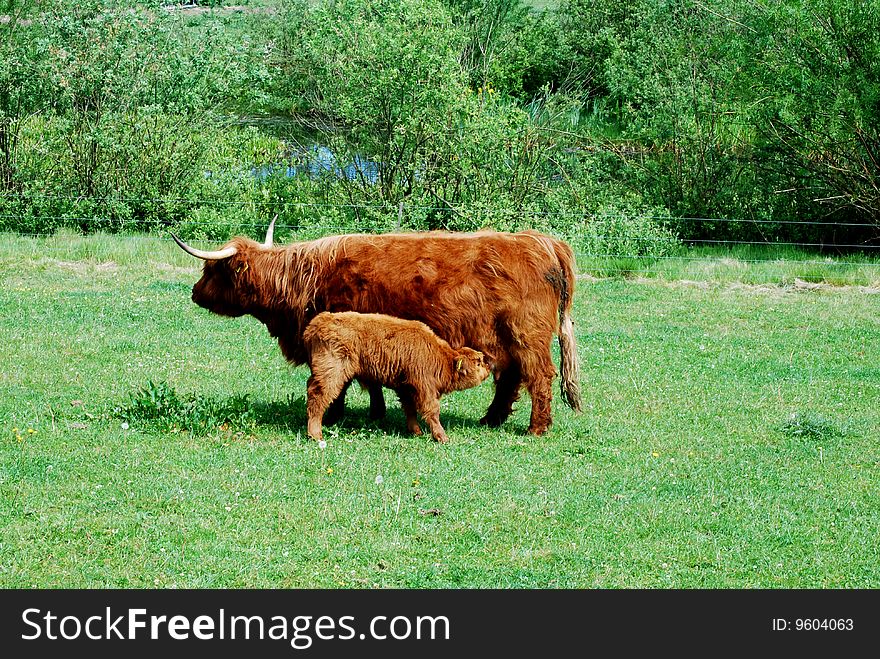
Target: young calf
[404,355]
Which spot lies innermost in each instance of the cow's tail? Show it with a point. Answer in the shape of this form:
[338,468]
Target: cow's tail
[569,367]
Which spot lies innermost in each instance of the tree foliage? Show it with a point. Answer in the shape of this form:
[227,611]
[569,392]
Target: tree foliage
[585,118]
[816,108]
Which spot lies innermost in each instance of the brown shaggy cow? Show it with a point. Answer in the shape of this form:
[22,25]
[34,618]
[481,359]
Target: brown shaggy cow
[404,355]
[505,294]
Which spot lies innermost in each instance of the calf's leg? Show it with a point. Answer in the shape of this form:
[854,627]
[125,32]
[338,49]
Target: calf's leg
[428,405]
[409,409]
[321,389]
[336,410]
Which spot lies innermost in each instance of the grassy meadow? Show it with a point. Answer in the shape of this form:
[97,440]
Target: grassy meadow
[729,440]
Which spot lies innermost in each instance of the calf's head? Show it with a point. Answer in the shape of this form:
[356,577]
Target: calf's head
[469,368]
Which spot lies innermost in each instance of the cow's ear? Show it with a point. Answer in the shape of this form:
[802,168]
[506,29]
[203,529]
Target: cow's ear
[458,364]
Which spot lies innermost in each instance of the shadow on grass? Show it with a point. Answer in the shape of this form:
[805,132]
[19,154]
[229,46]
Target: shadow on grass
[160,405]
[291,416]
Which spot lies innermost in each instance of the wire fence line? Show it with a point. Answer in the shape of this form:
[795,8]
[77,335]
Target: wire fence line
[325,229]
[159,233]
[395,212]
[478,213]
[606,262]
[709,241]
[630,255]
[348,227]
[276,205]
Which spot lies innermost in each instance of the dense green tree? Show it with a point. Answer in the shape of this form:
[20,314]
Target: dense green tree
[509,45]
[386,71]
[815,77]
[22,70]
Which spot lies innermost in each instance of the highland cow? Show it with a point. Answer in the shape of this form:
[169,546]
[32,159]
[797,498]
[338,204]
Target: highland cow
[505,294]
[404,355]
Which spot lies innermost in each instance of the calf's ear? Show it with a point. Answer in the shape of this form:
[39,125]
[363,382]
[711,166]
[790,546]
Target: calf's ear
[458,364]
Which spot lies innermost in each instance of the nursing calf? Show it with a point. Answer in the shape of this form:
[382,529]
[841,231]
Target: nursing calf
[404,355]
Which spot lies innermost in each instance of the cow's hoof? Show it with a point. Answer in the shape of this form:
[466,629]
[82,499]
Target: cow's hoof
[539,430]
[491,420]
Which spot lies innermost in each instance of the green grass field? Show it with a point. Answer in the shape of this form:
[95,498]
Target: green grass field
[729,440]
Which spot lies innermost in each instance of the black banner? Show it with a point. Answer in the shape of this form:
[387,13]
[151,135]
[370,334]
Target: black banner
[288,623]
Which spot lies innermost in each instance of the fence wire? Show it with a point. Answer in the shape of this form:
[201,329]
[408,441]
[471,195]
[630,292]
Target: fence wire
[616,257]
[274,206]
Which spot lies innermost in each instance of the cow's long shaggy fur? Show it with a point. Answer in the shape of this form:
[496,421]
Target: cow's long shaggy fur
[401,354]
[506,294]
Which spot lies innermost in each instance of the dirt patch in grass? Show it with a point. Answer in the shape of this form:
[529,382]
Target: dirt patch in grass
[801,285]
[84,267]
[177,269]
[798,286]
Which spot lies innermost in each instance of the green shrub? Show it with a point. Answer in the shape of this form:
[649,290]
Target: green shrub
[160,405]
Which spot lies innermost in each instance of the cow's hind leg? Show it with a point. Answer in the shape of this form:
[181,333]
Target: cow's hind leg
[507,384]
[377,400]
[377,403]
[538,373]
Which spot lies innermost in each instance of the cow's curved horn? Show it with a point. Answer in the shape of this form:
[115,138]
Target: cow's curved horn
[217,255]
[270,232]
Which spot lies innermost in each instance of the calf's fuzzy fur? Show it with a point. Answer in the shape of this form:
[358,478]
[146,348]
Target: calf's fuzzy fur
[404,355]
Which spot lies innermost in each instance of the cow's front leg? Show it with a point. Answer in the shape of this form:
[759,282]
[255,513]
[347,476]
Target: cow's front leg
[507,385]
[377,401]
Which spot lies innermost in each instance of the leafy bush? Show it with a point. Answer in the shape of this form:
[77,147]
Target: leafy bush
[741,110]
[508,46]
[615,232]
[816,108]
[121,117]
